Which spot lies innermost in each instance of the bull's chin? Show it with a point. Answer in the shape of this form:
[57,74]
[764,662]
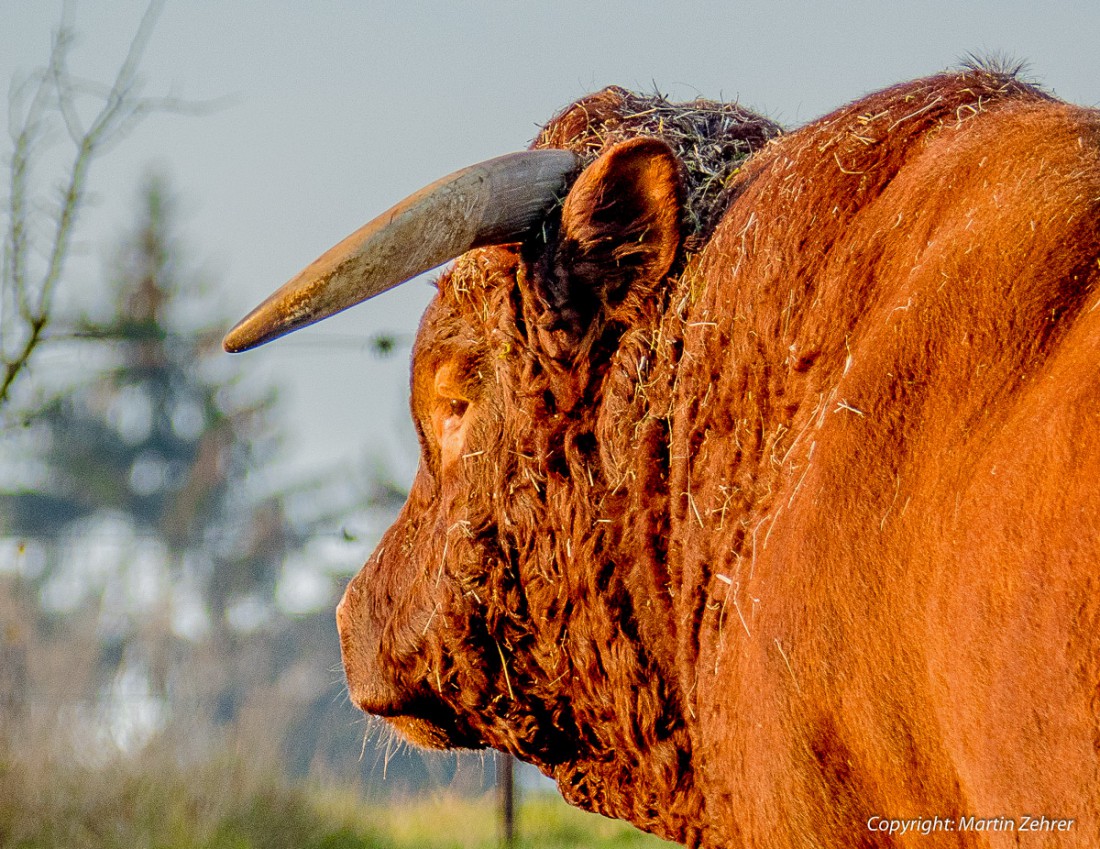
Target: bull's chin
[430,735]
[426,722]
[419,717]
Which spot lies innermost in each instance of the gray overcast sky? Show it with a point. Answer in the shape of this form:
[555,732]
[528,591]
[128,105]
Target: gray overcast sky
[339,109]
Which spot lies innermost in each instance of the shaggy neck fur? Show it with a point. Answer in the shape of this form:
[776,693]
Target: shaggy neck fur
[563,610]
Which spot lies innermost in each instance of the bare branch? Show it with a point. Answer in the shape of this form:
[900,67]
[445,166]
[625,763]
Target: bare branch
[26,300]
[63,84]
[25,140]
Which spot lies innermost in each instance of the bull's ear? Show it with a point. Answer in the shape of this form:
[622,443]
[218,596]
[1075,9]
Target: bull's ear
[620,232]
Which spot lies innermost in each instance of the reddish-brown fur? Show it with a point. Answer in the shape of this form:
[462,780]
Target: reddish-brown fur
[753,538]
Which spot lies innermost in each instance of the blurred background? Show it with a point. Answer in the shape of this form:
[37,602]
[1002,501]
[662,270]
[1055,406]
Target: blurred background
[176,524]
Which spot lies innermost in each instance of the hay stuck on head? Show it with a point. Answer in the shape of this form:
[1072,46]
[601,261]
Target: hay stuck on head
[712,140]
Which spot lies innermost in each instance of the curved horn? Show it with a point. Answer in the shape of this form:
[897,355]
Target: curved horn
[494,202]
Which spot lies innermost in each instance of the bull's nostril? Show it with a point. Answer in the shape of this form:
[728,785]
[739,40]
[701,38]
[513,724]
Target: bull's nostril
[345,609]
[341,615]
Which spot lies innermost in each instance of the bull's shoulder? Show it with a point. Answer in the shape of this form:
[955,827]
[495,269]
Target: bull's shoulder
[890,273]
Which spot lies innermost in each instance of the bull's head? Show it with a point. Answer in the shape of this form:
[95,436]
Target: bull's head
[519,600]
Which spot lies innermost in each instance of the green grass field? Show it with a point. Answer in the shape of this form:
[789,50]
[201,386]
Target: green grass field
[153,801]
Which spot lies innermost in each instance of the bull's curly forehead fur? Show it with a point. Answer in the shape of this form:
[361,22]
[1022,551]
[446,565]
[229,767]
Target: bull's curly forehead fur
[711,139]
[751,513]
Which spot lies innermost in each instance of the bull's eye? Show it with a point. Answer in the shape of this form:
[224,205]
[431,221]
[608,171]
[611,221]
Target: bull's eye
[449,420]
[449,412]
[450,430]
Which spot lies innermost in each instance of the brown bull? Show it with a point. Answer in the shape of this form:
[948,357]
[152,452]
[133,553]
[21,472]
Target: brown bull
[758,507]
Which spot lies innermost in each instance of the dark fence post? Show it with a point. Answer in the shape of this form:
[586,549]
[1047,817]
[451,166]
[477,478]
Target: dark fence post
[506,796]
[13,676]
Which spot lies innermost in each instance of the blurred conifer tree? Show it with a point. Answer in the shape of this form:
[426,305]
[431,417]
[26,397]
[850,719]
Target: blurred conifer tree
[157,555]
[144,460]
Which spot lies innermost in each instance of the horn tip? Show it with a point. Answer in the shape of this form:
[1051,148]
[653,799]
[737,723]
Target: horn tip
[241,338]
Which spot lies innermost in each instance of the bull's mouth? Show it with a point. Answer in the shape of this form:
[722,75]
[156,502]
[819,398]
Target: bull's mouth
[426,722]
[430,735]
